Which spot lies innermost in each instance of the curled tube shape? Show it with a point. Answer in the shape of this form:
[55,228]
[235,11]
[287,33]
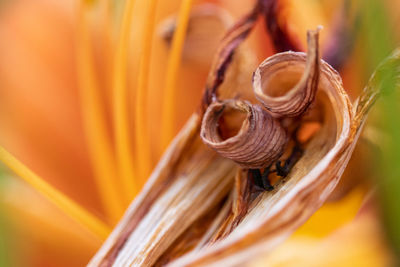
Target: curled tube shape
[259,142]
[278,86]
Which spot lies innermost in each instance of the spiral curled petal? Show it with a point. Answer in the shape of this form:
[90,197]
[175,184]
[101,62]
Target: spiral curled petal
[259,142]
[279,85]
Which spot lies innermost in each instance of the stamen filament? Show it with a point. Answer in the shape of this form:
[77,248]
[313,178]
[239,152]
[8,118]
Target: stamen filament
[143,156]
[168,120]
[95,125]
[107,16]
[108,45]
[121,121]
[67,205]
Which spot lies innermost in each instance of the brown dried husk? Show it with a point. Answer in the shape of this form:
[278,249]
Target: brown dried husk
[192,190]
[274,215]
[191,179]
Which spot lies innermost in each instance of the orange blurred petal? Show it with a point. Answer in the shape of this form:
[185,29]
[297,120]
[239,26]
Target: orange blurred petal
[39,104]
[359,243]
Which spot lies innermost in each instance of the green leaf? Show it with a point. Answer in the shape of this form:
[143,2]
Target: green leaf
[378,37]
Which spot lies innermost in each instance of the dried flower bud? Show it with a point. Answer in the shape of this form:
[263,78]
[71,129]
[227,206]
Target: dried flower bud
[280,85]
[256,142]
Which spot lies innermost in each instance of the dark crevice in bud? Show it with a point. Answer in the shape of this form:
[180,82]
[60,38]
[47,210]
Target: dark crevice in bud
[278,32]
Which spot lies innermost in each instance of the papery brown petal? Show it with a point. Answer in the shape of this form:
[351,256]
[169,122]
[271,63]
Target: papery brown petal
[189,180]
[189,175]
[259,142]
[280,90]
[196,235]
[274,215]
[242,197]
[192,180]
[233,38]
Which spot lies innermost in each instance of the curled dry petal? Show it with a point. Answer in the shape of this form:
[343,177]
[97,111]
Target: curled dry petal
[272,216]
[192,182]
[233,38]
[259,142]
[189,181]
[277,85]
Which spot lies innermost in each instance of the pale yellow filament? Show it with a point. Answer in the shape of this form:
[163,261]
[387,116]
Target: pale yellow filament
[143,156]
[68,206]
[169,103]
[121,120]
[95,126]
